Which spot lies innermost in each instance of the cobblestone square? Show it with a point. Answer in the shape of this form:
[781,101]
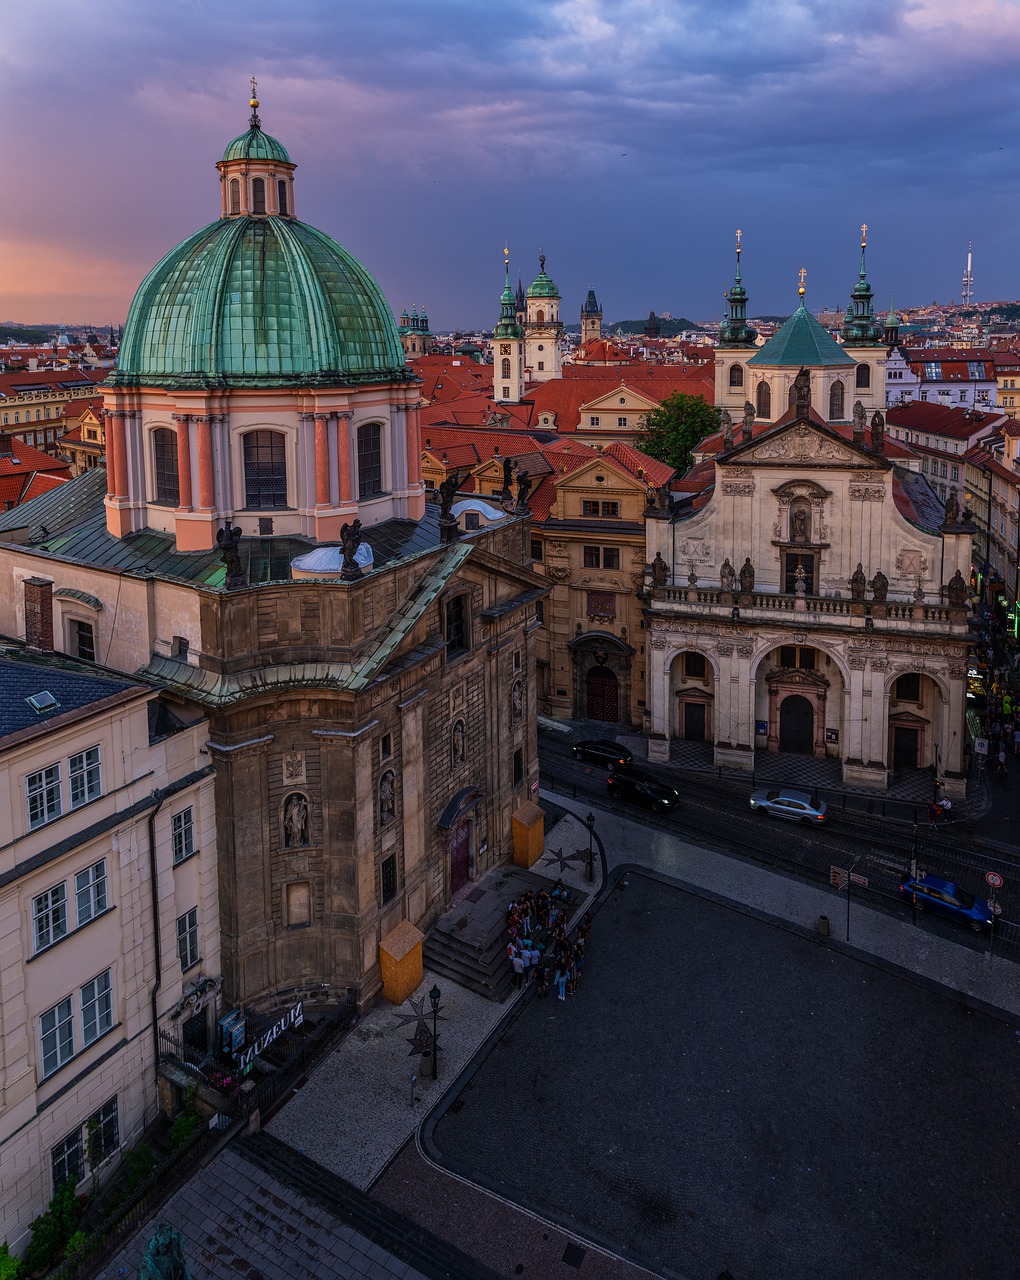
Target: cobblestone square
[722,1093]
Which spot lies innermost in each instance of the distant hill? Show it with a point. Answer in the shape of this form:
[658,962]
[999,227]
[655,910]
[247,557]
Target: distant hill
[18,333]
[770,319]
[667,328]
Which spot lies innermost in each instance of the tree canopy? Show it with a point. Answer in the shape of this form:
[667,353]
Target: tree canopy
[672,431]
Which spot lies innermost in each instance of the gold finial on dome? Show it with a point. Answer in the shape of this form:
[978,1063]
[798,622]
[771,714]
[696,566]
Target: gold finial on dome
[254,94]
[803,276]
[253,120]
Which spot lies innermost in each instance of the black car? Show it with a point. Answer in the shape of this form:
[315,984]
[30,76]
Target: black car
[603,751]
[642,788]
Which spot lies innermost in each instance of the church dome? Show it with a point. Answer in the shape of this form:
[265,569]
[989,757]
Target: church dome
[542,286]
[267,299]
[256,145]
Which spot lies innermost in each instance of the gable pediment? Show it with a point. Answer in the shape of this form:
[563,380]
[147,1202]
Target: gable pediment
[633,401]
[803,444]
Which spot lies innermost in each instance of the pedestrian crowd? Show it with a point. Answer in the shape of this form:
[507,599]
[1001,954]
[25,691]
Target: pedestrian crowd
[1001,716]
[540,948]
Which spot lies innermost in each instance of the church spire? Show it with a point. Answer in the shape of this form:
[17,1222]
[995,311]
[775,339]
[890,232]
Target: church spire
[734,330]
[860,328]
[253,120]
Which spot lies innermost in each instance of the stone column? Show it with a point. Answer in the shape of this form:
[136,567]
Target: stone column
[321,461]
[183,421]
[343,448]
[111,460]
[206,482]
[120,454]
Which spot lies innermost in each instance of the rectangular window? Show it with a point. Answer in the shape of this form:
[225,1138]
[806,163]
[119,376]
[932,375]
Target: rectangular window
[389,878]
[589,508]
[67,1161]
[83,640]
[955,473]
[540,611]
[182,832]
[518,766]
[385,746]
[90,892]
[541,366]
[506,393]
[536,549]
[621,422]
[57,1030]
[43,792]
[369,460]
[975,369]
[932,370]
[86,781]
[593,421]
[610,557]
[105,1135]
[694,666]
[49,917]
[187,939]
[96,1008]
[611,509]
[592,558]
[456,625]
[908,688]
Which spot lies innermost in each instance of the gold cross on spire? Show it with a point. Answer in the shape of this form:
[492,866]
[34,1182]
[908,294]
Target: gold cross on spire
[803,276]
[254,93]
[739,234]
[864,235]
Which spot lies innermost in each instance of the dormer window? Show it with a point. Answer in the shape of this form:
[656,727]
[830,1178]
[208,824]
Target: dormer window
[258,195]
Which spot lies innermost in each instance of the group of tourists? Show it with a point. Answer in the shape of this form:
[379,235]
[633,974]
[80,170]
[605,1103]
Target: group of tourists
[540,948]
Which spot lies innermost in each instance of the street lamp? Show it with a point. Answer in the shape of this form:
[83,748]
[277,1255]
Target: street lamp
[434,995]
[590,868]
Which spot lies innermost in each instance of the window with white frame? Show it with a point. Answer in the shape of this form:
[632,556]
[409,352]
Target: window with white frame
[57,1035]
[187,938]
[42,790]
[49,917]
[96,1008]
[90,892]
[86,780]
[183,833]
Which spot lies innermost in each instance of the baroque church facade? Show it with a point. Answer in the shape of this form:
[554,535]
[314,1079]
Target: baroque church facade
[261,549]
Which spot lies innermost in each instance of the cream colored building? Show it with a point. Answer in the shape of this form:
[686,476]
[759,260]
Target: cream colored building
[109,917]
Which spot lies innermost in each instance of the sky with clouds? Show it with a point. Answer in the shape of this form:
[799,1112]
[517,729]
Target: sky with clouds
[628,138]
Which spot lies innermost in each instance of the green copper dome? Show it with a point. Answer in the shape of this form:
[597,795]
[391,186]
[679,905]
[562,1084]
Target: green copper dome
[256,145]
[264,300]
[801,341]
[542,286]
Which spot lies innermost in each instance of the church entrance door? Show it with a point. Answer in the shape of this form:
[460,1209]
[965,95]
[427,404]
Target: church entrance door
[904,748]
[460,855]
[603,695]
[694,721]
[797,725]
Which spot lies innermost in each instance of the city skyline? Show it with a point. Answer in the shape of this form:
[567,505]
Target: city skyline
[628,141]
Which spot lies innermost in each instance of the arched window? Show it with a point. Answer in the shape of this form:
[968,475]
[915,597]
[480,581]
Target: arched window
[506,367]
[17,417]
[6,420]
[265,470]
[258,195]
[863,377]
[235,195]
[764,408]
[164,455]
[540,317]
[38,415]
[281,196]
[835,401]
[369,460]
[736,375]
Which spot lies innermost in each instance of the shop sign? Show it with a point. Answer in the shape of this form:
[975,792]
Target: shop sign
[292,1018]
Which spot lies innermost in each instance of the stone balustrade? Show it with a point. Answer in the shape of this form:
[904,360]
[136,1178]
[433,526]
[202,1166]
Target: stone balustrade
[893,615]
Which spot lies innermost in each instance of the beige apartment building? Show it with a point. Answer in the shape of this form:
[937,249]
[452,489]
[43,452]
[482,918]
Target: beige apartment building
[109,912]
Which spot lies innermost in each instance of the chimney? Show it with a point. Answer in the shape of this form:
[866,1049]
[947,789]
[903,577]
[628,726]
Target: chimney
[39,614]
[6,445]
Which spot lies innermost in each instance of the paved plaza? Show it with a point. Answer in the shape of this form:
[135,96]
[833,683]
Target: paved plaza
[725,1093]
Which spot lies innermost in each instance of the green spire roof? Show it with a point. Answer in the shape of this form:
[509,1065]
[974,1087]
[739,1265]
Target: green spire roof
[256,145]
[259,300]
[801,341]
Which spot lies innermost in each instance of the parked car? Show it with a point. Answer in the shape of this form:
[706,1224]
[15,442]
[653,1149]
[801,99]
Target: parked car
[945,898]
[642,788]
[603,751]
[785,802]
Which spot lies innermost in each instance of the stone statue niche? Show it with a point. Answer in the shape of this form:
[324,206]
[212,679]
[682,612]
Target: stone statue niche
[800,523]
[295,821]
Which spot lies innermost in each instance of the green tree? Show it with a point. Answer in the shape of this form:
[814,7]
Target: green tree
[672,431]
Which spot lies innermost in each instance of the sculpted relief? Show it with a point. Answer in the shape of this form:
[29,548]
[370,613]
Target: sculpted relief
[801,444]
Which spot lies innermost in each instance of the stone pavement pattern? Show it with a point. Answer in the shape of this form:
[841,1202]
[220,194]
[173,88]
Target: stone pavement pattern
[239,1221]
[725,1093]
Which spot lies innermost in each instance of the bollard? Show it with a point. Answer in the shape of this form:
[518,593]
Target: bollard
[822,927]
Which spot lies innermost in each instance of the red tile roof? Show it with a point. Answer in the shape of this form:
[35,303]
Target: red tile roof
[947,420]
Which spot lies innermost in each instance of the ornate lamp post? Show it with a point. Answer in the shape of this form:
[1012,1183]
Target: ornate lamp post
[434,995]
[590,866]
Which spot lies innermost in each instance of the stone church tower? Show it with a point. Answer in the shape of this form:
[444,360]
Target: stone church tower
[508,345]
[591,319]
[543,328]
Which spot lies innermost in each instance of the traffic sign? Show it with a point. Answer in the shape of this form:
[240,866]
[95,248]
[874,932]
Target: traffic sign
[838,877]
[995,907]
[861,880]
[980,746]
[994,879]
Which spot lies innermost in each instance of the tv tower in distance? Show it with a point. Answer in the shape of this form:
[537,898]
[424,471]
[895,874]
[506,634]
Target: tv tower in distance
[967,294]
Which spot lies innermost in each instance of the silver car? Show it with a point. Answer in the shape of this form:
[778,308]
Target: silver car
[786,802]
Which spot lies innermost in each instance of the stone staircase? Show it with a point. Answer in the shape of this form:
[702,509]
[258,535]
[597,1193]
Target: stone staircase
[468,943]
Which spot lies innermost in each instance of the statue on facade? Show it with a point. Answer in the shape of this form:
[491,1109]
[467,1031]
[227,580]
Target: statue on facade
[860,419]
[523,489]
[880,587]
[164,1256]
[726,419]
[952,509]
[350,540]
[663,499]
[747,430]
[295,821]
[447,493]
[802,392]
[858,582]
[727,575]
[458,742]
[228,539]
[800,525]
[957,591]
[517,701]
[877,432]
[747,576]
[508,475]
[387,799]
[660,571]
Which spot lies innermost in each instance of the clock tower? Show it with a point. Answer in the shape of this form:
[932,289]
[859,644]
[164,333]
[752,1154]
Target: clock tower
[507,347]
